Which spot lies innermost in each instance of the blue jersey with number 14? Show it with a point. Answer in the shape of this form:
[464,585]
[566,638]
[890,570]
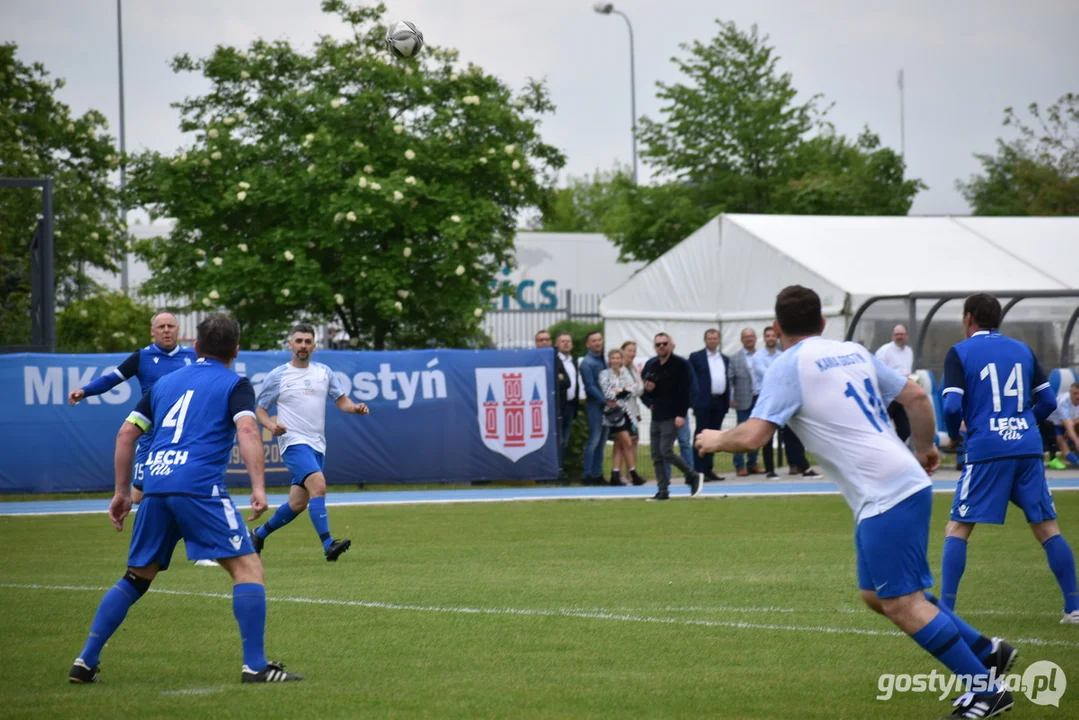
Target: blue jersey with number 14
[997,378]
[192,413]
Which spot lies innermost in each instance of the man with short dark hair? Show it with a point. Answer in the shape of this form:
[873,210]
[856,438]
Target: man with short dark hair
[569,395]
[196,412]
[591,366]
[994,385]
[299,388]
[712,399]
[667,389]
[543,339]
[835,395]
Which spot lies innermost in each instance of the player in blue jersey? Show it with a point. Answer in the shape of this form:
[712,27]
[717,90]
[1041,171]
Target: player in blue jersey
[994,384]
[835,396]
[196,412]
[148,365]
[299,388]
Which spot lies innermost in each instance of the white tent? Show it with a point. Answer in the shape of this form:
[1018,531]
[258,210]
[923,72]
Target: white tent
[728,272]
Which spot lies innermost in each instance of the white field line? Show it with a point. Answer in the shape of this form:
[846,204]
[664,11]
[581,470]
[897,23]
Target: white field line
[598,614]
[707,493]
[194,691]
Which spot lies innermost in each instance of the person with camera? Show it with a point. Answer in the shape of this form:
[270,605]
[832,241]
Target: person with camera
[618,387]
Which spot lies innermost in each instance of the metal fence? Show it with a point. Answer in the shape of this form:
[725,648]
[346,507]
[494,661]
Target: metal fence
[516,328]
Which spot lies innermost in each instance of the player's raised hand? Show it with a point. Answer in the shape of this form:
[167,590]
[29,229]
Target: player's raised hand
[929,460]
[279,429]
[361,409]
[258,504]
[75,396]
[118,510]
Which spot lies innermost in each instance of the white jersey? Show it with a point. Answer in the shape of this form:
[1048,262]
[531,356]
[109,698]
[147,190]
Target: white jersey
[1065,410]
[300,394]
[834,396]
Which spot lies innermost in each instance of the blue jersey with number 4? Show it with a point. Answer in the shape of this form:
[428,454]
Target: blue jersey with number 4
[997,378]
[192,413]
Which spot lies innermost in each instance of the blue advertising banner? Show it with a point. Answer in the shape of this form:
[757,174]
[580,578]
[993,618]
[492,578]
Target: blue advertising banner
[436,416]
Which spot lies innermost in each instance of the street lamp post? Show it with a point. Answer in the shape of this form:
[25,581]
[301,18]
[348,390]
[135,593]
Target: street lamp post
[123,145]
[607,9]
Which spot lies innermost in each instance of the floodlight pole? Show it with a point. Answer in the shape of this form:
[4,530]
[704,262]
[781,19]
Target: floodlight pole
[608,9]
[123,143]
[902,129]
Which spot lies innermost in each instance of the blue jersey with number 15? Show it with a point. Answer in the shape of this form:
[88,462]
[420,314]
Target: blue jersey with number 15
[997,378]
[192,413]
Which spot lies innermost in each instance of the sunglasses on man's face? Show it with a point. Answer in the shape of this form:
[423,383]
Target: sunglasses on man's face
[662,344]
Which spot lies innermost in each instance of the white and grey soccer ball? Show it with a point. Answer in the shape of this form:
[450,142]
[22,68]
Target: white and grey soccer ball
[404,39]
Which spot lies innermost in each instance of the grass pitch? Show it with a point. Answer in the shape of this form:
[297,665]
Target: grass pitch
[708,607]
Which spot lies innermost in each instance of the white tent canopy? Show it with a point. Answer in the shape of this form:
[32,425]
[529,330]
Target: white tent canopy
[728,272]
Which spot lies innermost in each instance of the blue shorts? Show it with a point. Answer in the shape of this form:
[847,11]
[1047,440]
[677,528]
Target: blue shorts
[893,548]
[210,527]
[302,461]
[985,489]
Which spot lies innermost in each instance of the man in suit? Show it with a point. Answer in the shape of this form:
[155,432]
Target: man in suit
[712,397]
[568,378]
[744,395]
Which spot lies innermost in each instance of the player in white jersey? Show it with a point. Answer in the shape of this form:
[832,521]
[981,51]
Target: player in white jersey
[835,396]
[300,388]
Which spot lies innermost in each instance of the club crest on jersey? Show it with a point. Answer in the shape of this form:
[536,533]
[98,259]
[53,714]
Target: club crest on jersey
[187,361]
[512,405]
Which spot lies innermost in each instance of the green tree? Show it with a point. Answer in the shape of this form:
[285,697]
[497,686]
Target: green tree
[39,137]
[1036,173]
[106,322]
[733,138]
[583,203]
[343,184]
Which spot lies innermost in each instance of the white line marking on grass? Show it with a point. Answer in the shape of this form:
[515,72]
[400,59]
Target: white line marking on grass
[193,691]
[769,609]
[525,612]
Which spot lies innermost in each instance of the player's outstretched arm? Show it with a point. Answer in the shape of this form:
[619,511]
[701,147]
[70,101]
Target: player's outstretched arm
[747,437]
[127,369]
[346,405]
[249,439]
[920,413]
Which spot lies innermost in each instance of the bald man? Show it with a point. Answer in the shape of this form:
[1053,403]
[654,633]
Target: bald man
[898,356]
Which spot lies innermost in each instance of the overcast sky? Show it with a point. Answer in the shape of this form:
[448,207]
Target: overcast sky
[964,61]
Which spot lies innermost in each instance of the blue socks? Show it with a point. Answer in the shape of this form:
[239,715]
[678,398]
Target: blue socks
[979,644]
[1073,458]
[953,564]
[316,508]
[110,614]
[281,517]
[941,638]
[1062,563]
[249,607]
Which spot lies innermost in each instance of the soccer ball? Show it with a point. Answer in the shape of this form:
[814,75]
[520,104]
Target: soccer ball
[404,39]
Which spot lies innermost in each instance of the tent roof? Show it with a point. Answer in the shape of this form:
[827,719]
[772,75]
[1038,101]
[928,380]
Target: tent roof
[737,262]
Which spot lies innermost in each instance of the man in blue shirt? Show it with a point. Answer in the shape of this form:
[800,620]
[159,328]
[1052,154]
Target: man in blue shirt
[994,384]
[148,365]
[591,366]
[196,412]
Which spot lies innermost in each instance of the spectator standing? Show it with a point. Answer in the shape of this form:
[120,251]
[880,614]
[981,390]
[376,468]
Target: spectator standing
[591,366]
[685,442]
[667,387]
[629,358]
[898,356]
[618,387]
[762,360]
[712,397]
[744,395]
[543,339]
[569,395]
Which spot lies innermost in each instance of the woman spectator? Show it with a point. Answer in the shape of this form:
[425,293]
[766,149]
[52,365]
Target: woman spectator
[618,386]
[629,355]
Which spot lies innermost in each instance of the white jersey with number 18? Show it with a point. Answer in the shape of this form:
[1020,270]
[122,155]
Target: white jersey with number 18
[834,396]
